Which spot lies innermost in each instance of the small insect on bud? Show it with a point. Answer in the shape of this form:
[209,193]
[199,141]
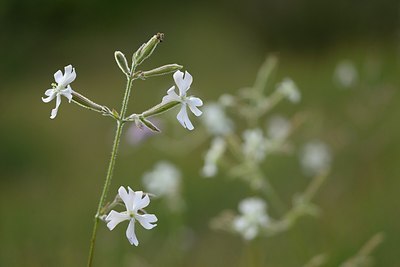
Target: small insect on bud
[122,62]
[166,69]
[147,49]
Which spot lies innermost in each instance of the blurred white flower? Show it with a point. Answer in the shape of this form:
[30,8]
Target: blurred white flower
[183,82]
[215,120]
[254,145]
[134,203]
[62,88]
[226,100]
[345,74]
[278,128]
[315,158]
[252,219]
[212,156]
[289,89]
[163,180]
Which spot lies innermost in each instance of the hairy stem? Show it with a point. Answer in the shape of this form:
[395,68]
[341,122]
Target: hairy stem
[110,170]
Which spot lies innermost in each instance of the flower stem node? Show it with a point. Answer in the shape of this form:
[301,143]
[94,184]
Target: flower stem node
[122,62]
[147,49]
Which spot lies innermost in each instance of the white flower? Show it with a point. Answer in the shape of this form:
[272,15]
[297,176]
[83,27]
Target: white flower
[315,158]
[215,152]
[163,180]
[289,89]
[215,120]
[346,74]
[254,146]
[253,217]
[134,202]
[62,88]
[183,82]
[278,128]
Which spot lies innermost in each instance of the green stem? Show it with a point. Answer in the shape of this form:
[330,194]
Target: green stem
[110,170]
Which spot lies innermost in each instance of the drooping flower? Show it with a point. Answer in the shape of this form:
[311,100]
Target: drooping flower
[252,219]
[183,81]
[134,203]
[62,88]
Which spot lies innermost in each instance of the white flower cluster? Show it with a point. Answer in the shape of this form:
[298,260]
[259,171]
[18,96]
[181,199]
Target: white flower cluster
[254,145]
[252,219]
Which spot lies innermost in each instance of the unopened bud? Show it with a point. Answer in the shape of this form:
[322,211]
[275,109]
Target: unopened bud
[149,124]
[160,108]
[86,103]
[147,49]
[122,62]
[166,69]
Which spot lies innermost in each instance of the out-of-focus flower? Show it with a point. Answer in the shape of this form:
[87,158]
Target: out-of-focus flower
[289,89]
[136,135]
[253,217]
[215,120]
[212,156]
[278,128]
[226,100]
[163,180]
[134,203]
[254,146]
[315,158]
[61,88]
[183,81]
[345,74]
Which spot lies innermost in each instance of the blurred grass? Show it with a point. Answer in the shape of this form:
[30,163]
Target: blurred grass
[52,171]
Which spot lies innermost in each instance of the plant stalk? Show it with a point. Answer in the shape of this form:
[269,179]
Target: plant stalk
[110,171]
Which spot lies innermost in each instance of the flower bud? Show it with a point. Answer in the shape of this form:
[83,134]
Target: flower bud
[147,49]
[122,62]
[149,124]
[160,108]
[86,103]
[166,69]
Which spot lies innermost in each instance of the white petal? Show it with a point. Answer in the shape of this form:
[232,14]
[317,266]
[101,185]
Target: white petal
[55,110]
[58,76]
[146,220]
[194,109]
[130,233]
[49,92]
[114,218]
[69,75]
[67,93]
[195,101]
[127,198]
[184,119]
[171,96]
[182,82]
[49,98]
[142,203]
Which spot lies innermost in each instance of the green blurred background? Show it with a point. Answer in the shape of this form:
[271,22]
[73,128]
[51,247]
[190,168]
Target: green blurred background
[52,171]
